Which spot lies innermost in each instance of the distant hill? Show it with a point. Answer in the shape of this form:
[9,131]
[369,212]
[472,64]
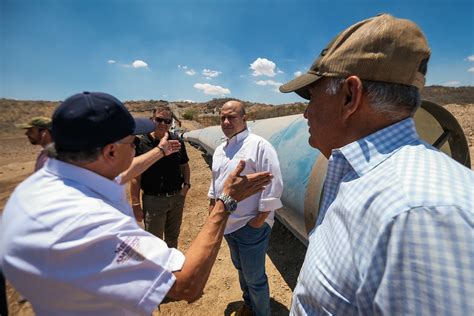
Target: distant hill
[17,111]
[449,95]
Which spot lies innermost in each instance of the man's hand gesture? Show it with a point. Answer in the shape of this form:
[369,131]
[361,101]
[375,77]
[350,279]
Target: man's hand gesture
[241,187]
[169,146]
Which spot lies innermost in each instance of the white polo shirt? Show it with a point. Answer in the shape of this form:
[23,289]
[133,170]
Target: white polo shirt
[259,155]
[68,247]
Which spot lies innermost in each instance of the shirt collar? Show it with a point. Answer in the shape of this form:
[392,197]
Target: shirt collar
[368,152]
[237,138]
[109,189]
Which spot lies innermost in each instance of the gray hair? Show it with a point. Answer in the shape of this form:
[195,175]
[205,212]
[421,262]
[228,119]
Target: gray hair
[392,99]
[161,108]
[75,157]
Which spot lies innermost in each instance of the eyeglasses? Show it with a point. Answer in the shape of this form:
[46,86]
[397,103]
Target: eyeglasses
[162,120]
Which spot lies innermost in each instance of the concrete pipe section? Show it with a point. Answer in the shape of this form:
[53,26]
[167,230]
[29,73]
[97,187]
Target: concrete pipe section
[304,168]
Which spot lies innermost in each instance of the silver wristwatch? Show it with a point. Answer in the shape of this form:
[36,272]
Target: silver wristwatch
[230,205]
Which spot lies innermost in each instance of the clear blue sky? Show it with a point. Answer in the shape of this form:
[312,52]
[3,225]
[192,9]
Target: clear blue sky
[199,50]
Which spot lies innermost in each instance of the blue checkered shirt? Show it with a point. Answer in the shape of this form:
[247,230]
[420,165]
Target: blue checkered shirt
[395,232]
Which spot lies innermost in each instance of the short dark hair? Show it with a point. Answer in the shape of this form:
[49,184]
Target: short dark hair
[242,109]
[45,129]
[80,156]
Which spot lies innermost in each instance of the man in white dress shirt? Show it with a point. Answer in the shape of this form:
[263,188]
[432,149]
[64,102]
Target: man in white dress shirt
[248,229]
[66,241]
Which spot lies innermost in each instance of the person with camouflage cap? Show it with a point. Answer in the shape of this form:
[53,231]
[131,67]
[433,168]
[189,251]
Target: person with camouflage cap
[38,131]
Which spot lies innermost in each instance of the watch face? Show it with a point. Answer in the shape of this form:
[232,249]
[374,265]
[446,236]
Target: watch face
[232,205]
[229,203]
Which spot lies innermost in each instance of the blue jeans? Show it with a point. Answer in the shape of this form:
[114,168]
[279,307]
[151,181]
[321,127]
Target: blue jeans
[248,246]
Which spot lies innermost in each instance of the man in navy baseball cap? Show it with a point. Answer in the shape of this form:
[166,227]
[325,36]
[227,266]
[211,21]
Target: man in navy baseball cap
[93,119]
[86,123]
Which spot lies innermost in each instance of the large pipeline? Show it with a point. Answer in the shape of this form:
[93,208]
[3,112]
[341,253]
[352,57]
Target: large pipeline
[304,168]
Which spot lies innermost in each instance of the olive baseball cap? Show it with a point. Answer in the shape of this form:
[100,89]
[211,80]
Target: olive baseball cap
[382,48]
[92,120]
[39,121]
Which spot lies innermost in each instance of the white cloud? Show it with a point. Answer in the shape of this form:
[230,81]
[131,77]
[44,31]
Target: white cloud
[452,83]
[297,73]
[190,72]
[471,69]
[139,64]
[470,58]
[268,83]
[186,100]
[211,89]
[263,66]
[208,73]
[111,61]
[280,71]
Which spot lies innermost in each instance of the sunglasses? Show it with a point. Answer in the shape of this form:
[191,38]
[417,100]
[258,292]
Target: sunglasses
[162,120]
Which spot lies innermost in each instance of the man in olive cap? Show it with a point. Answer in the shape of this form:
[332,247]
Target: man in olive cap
[38,131]
[394,231]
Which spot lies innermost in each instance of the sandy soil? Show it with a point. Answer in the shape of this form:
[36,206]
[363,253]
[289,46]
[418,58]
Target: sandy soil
[222,293]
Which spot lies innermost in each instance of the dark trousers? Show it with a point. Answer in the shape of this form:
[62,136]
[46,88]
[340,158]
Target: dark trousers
[163,215]
[3,297]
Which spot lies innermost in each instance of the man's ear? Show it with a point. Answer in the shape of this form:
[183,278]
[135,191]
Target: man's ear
[109,152]
[352,95]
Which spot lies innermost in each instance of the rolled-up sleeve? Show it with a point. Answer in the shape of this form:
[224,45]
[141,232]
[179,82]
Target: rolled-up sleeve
[210,193]
[268,161]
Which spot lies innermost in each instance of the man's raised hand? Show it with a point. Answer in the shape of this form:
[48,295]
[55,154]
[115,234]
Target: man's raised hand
[169,146]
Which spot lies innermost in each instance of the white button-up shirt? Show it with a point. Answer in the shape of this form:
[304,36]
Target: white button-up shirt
[259,155]
[68,246]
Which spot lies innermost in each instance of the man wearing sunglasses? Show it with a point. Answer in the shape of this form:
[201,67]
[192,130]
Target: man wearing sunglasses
[164,185]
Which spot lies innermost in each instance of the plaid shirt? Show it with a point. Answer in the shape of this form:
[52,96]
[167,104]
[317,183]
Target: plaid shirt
[395,232]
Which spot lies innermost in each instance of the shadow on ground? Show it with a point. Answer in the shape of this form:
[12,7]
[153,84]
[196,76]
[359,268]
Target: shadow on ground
[286,252]
[277,308]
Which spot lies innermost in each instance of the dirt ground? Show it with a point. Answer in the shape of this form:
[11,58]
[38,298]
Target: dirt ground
[222,293]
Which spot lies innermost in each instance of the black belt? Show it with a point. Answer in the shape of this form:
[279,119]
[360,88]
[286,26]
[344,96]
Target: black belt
[165,194]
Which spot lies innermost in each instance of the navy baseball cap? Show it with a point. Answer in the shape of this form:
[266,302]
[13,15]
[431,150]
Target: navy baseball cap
[93,119]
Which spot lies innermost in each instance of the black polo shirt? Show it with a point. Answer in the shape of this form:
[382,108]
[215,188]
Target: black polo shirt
[164,175]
